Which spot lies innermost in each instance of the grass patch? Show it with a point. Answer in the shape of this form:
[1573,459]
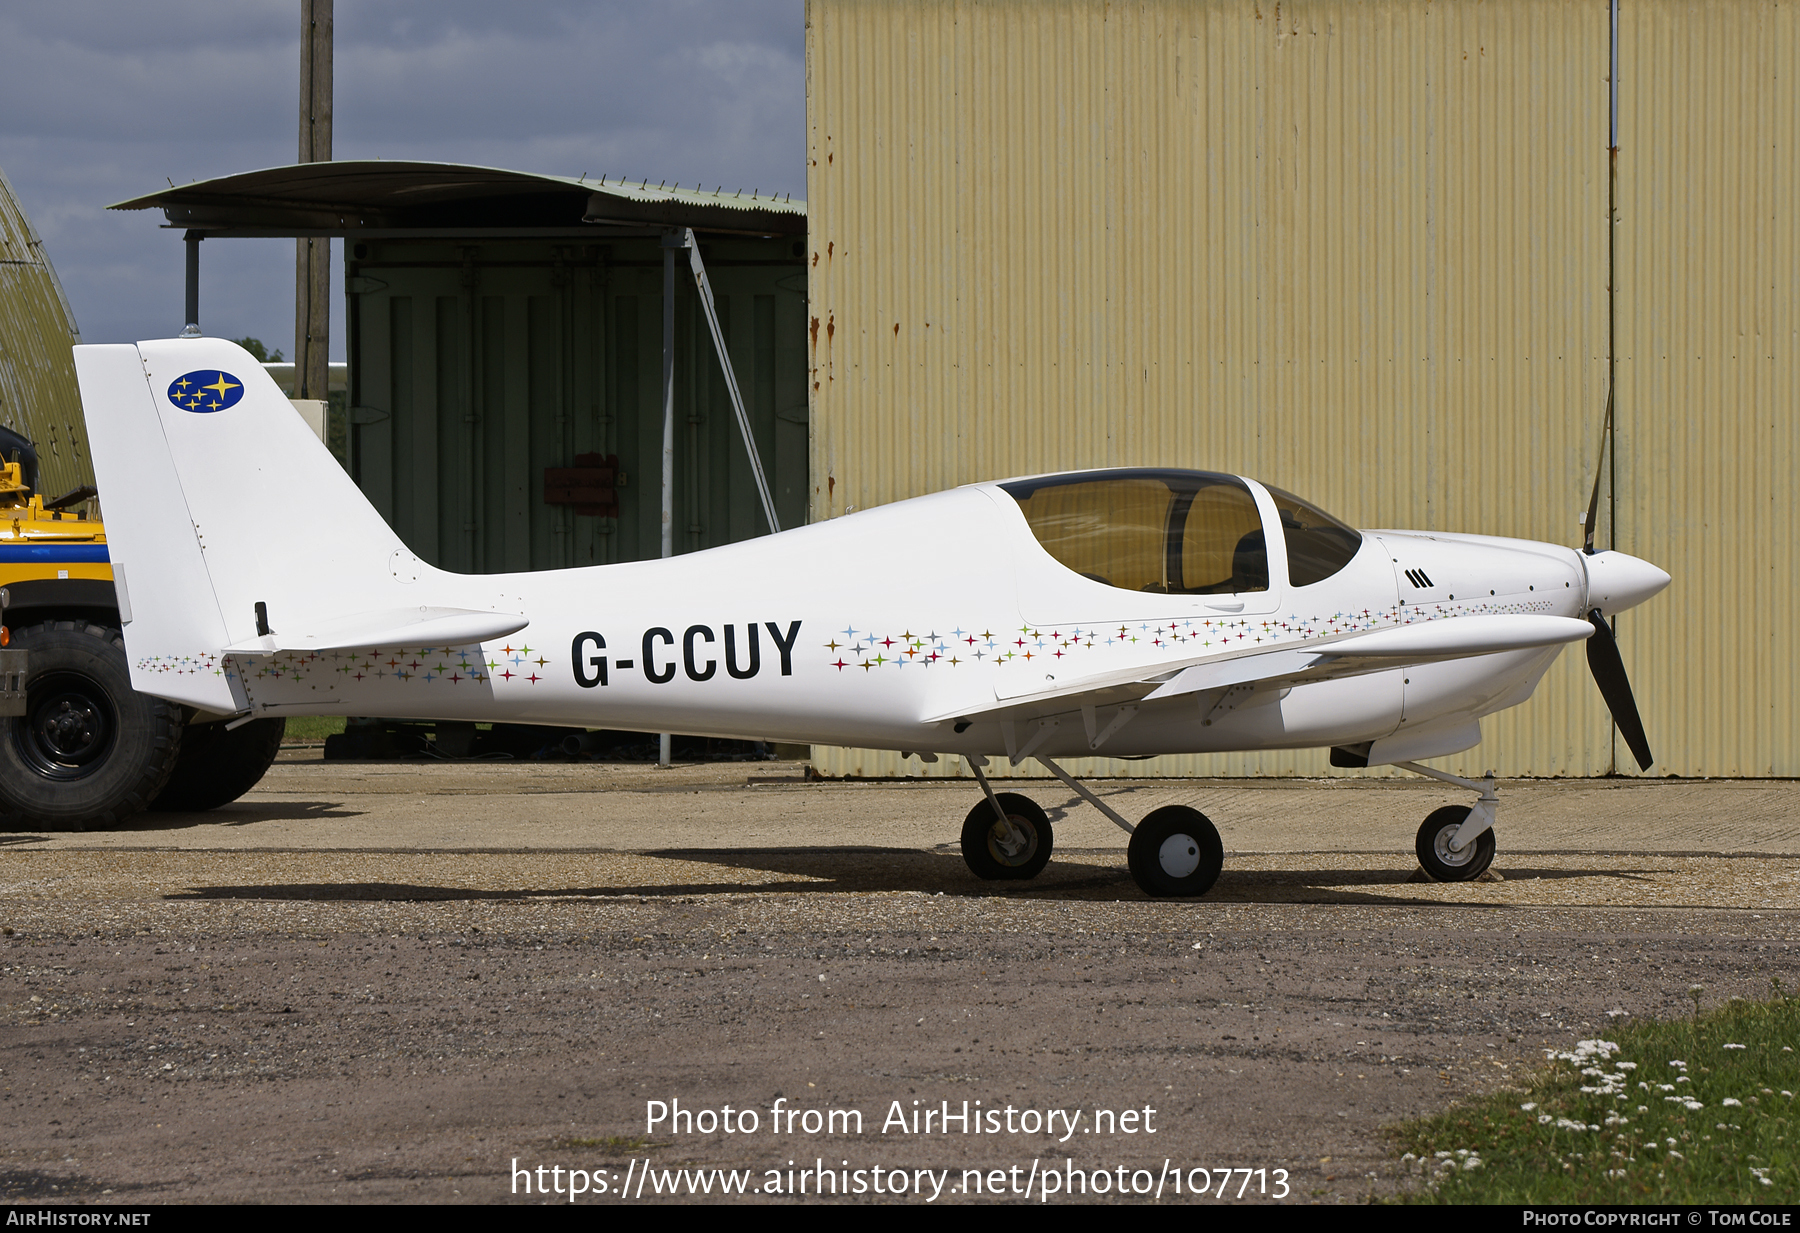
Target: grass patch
[1699,1110]
[310,729]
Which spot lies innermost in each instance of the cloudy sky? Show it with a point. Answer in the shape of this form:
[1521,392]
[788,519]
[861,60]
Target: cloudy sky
[102,101]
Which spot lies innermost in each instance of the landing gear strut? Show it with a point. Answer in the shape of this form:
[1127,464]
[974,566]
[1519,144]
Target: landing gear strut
[1176,851]
[1456,843]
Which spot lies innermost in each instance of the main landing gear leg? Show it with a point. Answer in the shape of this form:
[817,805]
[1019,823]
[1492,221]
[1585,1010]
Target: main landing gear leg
[1007,837]
[1456,843]
[1176,851]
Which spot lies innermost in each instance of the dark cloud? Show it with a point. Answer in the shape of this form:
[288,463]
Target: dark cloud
[100,102]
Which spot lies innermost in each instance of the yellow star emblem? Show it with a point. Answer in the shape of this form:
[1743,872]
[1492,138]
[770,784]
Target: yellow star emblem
[222,386]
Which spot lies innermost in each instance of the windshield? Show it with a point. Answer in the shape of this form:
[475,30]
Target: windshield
[1318,545]
[1172,532]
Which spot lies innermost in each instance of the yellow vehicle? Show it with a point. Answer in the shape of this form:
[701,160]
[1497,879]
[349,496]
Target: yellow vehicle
[78,746]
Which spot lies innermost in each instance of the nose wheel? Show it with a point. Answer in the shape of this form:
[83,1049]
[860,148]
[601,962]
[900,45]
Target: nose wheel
[1441,859]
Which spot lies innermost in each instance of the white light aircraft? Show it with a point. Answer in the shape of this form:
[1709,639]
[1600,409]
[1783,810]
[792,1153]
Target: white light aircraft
[1123,613]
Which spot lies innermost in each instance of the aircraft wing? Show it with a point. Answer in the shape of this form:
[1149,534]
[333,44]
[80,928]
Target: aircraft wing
[1280,667]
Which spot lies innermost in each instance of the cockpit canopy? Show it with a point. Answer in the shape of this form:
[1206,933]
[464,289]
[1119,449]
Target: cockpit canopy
[1177,532]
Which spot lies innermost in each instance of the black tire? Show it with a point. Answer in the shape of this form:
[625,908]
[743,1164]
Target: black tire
[216,767]
[992,854]
[90,751]
[1433,847]
[1175,852]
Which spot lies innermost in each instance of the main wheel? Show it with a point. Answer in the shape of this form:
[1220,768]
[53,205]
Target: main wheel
[1176,851]
[89,750]
[216,767]
[1443,863]
[998,853]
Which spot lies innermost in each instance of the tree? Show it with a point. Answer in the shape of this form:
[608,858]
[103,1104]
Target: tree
[255,347]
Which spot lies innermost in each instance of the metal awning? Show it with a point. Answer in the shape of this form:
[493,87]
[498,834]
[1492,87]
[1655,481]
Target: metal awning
[338,198]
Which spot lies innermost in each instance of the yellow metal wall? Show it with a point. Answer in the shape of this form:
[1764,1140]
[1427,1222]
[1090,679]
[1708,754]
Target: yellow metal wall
[1709,395]
[1358,250]
[38,396]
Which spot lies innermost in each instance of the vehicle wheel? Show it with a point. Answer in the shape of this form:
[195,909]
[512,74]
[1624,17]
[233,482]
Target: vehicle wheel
[1436,856]
[216,767]
[996,854]
[1176,851]
[89,751]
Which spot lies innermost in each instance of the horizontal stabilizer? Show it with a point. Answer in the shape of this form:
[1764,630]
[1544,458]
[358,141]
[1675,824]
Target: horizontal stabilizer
[424,626]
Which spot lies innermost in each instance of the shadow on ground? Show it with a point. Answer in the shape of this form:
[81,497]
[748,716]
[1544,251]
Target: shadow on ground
[1086,877]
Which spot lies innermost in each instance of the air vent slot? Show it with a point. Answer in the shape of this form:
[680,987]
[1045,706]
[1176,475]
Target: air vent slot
[1420,579]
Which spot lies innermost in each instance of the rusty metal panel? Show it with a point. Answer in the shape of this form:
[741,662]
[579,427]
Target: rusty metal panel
[1356,250]
[1709,394]
[38,396]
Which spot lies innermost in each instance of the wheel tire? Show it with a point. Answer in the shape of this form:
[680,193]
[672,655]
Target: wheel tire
[216,767]
[1176,852]
[90,751]
[1433,847]
[988,850]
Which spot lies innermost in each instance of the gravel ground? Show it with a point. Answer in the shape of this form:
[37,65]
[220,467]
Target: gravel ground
[272,1003]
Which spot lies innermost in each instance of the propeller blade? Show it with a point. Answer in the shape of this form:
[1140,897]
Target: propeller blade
[1609,674]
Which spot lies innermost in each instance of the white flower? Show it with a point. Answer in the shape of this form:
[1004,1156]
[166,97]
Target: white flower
[1543,1119]
[1677,1155]
[1737,1046]
[1529,1106]
[1730,1101]
[1682,1065]
[1693,1106]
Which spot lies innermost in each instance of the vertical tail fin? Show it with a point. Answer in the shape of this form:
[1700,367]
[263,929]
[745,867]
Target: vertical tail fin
[227,519]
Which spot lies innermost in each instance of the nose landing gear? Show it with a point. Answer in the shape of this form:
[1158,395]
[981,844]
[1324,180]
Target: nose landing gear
[1456,843]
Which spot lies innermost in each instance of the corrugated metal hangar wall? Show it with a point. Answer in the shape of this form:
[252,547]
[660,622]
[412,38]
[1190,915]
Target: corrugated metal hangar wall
[1360,251]
[477,366]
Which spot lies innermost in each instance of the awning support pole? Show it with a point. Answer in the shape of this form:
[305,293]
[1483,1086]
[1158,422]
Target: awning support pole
[668,440]
[191,318]
[731,385]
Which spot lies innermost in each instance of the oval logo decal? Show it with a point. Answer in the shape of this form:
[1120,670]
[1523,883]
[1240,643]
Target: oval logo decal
[205,391]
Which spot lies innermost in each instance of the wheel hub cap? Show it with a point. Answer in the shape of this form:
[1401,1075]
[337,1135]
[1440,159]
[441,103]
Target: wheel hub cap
[69,731]
[1012,844]
[1449,855]
[1179,855]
